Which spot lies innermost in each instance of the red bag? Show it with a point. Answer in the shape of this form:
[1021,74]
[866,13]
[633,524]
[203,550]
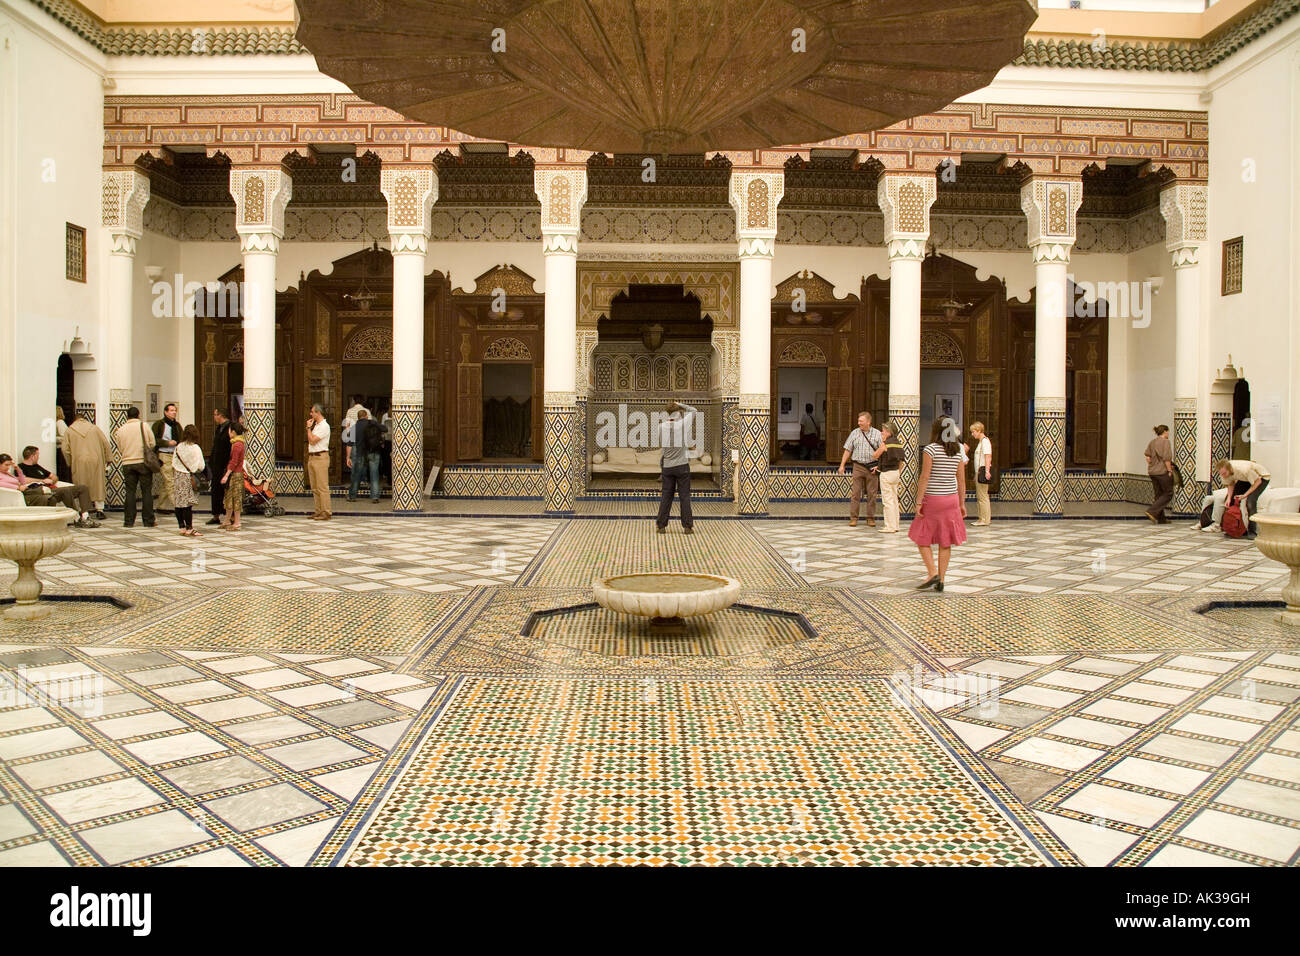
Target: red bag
[1233,526]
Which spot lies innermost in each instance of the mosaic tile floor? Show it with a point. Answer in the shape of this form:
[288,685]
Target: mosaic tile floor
[380,691]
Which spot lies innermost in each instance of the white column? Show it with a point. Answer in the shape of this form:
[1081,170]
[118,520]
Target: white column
[261,195]
[562,190]
[1051,206]
[1183,206]
[411,193]
[905,198]
[755,194]
[125,194]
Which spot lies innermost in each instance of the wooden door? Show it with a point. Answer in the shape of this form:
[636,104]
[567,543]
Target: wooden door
[840,419]
[214,394]
[1088,411]
[323,385]
[469,411]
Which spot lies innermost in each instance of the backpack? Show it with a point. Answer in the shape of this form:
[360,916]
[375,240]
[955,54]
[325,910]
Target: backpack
[1233,526]
[373,439]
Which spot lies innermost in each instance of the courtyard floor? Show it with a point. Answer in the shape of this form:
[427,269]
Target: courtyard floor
[377,690]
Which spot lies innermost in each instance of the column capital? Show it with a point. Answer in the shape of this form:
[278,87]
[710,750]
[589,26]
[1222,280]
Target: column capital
[905,198]
[1184,207]
[562,191]
[411,192]
[125,194]
[1051,204]
[754,194]
[261,195]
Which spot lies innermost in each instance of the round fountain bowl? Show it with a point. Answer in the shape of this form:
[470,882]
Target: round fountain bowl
[665,596]
[26,536]
[1279,539]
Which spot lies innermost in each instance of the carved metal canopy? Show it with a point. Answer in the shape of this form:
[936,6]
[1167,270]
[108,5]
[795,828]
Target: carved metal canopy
[660,76]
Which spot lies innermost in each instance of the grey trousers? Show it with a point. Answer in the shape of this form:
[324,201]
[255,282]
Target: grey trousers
[675,480]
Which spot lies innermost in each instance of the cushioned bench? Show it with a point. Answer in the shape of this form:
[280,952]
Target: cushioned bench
[632,461]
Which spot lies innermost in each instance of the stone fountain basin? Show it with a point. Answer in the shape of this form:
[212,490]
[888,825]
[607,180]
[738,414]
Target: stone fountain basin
[1279,539]
[26,536]
[666,595]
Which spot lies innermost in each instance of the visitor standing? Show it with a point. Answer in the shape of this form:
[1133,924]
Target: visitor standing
[187,458]
[1160,469]
[1252,474]
[88,452]
[983,472]
[166,436]
[675,466]
[62,465]
[132,440]
[318,462]
[233,480]
[809,434]
[367,437]
[860,448]
[218,458]
[889,458]
[348,436]
[940,501]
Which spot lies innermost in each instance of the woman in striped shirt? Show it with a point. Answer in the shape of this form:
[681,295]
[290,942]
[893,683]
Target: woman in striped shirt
[940,501]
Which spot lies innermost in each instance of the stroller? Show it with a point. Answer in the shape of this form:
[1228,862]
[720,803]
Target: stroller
[261,498]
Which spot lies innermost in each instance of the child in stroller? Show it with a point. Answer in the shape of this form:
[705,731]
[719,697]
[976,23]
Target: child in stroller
[261,497]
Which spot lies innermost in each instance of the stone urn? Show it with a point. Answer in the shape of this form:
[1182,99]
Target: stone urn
[26,536]
[666,597]
[1279,539]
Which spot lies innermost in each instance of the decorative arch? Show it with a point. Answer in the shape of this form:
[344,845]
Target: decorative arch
[507,348]
[370,343]
[802,352]
[939,349]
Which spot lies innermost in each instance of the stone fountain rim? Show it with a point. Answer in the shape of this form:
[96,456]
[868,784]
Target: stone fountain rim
[722,580]
[1278,518]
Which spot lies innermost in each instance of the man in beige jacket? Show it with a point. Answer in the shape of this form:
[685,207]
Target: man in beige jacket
[132,438]
[87,449]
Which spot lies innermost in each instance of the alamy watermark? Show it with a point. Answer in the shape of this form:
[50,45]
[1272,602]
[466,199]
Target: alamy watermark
[634,428]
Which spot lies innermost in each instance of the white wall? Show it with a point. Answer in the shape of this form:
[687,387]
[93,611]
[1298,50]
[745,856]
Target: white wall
[1255,128]
[51,141]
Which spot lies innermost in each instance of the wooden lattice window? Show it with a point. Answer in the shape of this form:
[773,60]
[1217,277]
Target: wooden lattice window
[76,253]
[1232,262]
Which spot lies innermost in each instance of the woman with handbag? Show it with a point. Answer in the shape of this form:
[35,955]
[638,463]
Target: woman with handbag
[983,458]
[187,466]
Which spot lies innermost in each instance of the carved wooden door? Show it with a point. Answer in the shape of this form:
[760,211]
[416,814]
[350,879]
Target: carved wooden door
[840,419]
[469,411]
[1088,412]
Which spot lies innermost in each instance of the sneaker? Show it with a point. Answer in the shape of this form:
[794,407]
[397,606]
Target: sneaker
[100,516]
[688,531]
[1211,528]
[86,522]
[853,522]
[871,522]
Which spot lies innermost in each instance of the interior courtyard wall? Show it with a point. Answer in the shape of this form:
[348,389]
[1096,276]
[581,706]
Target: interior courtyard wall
[1150,366]
[1254,171]
[50,166]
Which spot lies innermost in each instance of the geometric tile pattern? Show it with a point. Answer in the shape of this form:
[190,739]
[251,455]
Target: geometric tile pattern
[1031,557]
[580,447]
[1187,497]
[559,426]
[259,417]
[492,481]
[907,416]
[1165,759]
[800,484]
[115,483]
[754,425]
[406,427]
[1220,439]
[289,554]
[1049,455]
[486,636]
[86,410]
[705,779]
[583,550]
[197,758]
[730,440]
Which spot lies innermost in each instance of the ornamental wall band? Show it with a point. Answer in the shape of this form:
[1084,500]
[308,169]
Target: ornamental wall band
[251,129]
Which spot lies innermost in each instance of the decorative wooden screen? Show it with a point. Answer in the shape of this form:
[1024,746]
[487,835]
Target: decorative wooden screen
[1089,409]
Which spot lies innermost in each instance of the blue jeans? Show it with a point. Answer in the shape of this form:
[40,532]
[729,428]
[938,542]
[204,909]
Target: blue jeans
[363,462]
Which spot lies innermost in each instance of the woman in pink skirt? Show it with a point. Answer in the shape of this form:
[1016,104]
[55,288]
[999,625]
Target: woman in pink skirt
[940,501]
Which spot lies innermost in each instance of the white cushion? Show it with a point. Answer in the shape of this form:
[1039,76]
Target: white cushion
[1279,501]
[648,456]
[706,459]
[598,458]
[622,456]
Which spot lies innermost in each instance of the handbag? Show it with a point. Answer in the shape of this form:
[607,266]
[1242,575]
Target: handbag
[151,459]
[981,479]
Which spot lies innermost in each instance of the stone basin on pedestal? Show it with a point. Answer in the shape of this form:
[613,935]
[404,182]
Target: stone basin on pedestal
[26,536]
[666,597]
[1279,539]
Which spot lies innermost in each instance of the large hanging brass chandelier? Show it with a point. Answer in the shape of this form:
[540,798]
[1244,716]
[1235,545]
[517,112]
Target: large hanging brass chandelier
[659,76]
